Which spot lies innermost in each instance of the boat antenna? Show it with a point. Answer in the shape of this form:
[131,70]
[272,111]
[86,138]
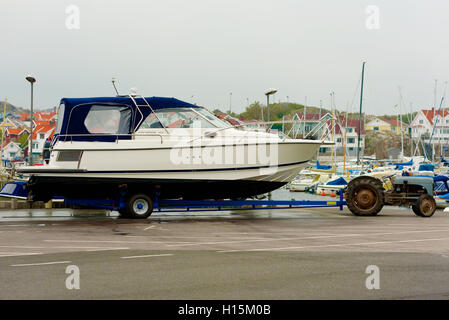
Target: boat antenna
[113,84]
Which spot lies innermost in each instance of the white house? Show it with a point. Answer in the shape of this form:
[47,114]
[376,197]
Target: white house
[423,125]
[350,145]
[40,135]
[10,152]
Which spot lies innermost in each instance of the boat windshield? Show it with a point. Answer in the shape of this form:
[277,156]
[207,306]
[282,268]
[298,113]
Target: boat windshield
[182,118]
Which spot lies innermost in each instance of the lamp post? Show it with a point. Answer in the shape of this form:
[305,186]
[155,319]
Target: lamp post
[360,113]
[268,93]
[230,103]
[31,80]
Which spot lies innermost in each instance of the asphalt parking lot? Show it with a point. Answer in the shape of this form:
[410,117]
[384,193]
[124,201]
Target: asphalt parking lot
[319,253]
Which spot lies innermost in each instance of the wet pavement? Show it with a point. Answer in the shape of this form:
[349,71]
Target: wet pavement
[319,253]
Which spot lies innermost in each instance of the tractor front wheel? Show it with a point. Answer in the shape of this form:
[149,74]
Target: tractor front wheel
[425,205]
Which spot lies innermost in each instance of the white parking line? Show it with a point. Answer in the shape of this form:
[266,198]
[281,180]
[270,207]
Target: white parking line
[306,238]
[17,254]
[59,247]
[113,241]
[186,237]
[107,249]
[335,245]
[40,264]
[148,256]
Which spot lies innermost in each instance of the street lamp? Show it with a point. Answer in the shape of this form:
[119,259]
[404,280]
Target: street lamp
[268,93]
[31,80]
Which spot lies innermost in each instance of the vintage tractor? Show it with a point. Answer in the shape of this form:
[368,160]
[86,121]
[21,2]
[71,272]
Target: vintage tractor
[365,195]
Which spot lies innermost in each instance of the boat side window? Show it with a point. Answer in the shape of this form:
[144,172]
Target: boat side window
[179,118]
[108,119]
[60,118]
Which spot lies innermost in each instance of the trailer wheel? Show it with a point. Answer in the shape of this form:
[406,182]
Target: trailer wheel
[139,206]
[364,196]
[426,206]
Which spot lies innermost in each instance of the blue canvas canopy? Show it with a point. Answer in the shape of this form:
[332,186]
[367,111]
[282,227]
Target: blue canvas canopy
[73,112]
[322,166]
[426,167]
[410,163]
[337,182]
[440,178]
[14,190]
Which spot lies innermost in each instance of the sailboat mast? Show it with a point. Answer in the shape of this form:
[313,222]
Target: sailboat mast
[333,131]
[305,114]
[360,114]
[3,132]
[411,133]
[400,119]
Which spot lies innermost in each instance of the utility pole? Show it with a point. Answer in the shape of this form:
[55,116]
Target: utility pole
[360,114]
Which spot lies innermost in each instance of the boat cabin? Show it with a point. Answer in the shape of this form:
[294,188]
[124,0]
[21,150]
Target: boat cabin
[118,118]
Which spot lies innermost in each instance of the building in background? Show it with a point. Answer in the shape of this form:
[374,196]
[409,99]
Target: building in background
[11,151]
[386,125]
[424,122]
[378,124]
[351,128]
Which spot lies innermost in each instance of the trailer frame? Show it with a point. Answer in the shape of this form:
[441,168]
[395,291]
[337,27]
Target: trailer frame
[178,205]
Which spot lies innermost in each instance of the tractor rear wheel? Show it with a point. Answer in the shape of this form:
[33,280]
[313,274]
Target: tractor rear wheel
[365,196]
[426,206]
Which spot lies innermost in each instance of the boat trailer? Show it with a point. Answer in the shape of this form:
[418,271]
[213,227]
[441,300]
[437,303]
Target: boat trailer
[122,203]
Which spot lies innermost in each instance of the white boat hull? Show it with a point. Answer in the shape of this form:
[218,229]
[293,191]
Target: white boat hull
[190,171]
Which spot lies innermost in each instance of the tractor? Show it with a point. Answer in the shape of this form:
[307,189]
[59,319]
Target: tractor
[365,195]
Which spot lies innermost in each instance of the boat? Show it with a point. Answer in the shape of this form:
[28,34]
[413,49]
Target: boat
[162,147]
[333,186]
[303,181]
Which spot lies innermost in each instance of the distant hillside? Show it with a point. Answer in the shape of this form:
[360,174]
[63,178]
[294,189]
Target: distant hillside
[277,111]
[14,109]
[10,108]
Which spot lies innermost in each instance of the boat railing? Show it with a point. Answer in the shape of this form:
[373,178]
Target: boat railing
[146,105]
[116,135]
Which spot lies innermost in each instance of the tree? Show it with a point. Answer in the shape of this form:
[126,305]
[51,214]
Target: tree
[253,111]
[23,140]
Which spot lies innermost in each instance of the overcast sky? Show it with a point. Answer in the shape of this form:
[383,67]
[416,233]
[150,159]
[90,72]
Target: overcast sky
[202,50]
